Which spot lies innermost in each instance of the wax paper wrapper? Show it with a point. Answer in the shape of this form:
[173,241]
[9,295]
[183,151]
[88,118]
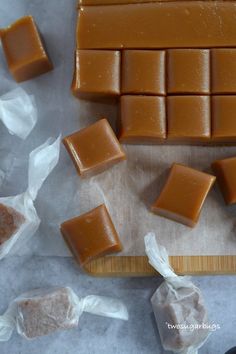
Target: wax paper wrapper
[43,311]
[178,305]
[18,217]
[18,113]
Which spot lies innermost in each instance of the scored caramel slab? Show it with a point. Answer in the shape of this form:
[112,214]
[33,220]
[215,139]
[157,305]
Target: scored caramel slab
[209,32]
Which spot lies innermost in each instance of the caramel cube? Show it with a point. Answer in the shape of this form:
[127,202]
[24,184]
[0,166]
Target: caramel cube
[94,149]
[188,118]
[142,119]
[96,73]
[25,54]
[225,171]
[223,118]
[223,70]
[91,235]
[143,72]
[183,195]
[188,71]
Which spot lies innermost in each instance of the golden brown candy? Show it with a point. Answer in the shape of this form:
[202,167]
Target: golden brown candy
[183,195]
[94,149]
[25,54]
[142,119]
[96,73]
[188,71]
[91,235]
[175,24]
[143,72]
[189,118]
[223,118]
[225,171]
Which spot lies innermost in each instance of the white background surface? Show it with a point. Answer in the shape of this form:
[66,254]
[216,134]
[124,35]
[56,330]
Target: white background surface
[57,201]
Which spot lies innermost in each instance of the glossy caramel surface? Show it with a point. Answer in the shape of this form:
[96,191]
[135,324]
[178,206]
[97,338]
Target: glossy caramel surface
[189,118]
[91,235]
[224,118]
[223,70]
[176,24]
[142,119]
[188,71]
[183,194]
[24,51]
[96,72]
[225,171]
[143,72]
[94,148]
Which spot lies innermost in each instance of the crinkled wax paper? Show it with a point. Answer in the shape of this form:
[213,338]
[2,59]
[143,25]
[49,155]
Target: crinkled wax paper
[130,187]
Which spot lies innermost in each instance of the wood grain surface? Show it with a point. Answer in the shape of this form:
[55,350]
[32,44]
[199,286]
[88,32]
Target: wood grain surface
[135,266]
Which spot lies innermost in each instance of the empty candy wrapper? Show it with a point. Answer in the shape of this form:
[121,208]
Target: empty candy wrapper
[43,311]
[177,304]
[18,217]
[18,112]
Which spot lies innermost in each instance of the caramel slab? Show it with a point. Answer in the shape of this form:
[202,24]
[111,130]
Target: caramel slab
[96,73]
[188,71]
[24,51]
[223,63]
[142,119]
[224,119]
[143,72]
[183,195]
[94,149]
[91,235]
[189,118]
[177,24]
[225,171]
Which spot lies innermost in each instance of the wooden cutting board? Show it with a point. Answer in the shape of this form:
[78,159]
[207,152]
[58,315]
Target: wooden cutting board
[135,266]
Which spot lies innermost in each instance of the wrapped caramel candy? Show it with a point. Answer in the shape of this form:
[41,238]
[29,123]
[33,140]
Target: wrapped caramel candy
[18,217]
[177,304]
[43,311]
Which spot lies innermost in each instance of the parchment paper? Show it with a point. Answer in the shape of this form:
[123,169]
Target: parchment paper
[130,187]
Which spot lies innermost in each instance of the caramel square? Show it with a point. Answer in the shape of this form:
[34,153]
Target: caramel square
[224,118]
[188,118]
[96,73]
[24,51]
[91,235]
[94,149]
[188,71]
[223,70]
[225,171]
[142,119]
[183,195]
[143,72]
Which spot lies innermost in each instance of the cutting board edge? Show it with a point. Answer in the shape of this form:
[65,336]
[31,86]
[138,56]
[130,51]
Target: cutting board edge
[138,266]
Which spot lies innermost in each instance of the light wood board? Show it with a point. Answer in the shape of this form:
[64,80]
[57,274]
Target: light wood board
[134,266]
